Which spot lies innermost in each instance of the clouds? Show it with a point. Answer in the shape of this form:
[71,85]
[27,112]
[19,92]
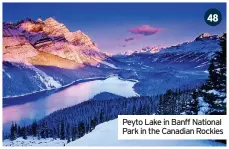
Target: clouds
[143,30]
[129,39]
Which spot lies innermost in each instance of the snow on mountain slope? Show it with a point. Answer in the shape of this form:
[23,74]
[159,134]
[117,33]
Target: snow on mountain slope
[33,49]
[147,49]
[106,134]
[196,54]
[48,81]
[106,63]
[202,43]
[19,54]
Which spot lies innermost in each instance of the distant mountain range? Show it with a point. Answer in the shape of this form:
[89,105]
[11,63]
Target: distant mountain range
[41,55]
[155,49]
[147,49]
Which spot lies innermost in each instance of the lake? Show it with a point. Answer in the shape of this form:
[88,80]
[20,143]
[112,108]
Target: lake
[41,105]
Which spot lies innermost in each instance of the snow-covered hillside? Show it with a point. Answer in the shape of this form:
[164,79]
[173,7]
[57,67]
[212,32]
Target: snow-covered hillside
[40,78]
[196,54]
[106,134]
[202,43]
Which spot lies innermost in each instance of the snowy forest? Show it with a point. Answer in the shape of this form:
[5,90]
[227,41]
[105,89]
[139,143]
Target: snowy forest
[74,122]
[208,99]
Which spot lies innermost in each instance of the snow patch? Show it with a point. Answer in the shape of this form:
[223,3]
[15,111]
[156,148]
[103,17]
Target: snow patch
[203,106]
[8,75]
[106,63]
[46,79]
[220,94]
[106,134]
[34,141]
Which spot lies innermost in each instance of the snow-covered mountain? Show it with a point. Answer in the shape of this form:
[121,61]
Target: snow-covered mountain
[46,55]
[43,55]
[147,49]
[54,38]
[197,44]
[183,65]
[196,53]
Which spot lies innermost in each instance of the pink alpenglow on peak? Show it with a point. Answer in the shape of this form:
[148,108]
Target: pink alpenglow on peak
[39,20]
[204,35]
[145,30]
[48,39]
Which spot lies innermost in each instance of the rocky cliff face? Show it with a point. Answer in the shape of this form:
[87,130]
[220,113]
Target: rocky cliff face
[51,37]
[41,55]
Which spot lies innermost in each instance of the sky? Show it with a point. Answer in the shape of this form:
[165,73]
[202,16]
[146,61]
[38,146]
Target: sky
[119,27]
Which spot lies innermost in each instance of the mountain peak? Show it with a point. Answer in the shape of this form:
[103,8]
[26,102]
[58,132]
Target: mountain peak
[39,20]
[79,31]
[27,19]
[53,37]
[203,36]
[53,27]
[146,49]
[50,19]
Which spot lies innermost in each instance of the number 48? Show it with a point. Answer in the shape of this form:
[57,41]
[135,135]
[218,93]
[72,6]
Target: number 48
[213,18]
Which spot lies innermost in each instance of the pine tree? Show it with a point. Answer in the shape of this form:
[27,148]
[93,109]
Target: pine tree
[24,136]
[16,130]
[168,101]
[46,130]
[62,131]
[192,105]
[68,139]
[54,133]
[218,101]
[160,109]
[81,128]
[101,117]
[34,128]
[12,132]
[93,123]
[38,135]
[213,93]
[42,130]
[74,133]
[68,133]
[19,131]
